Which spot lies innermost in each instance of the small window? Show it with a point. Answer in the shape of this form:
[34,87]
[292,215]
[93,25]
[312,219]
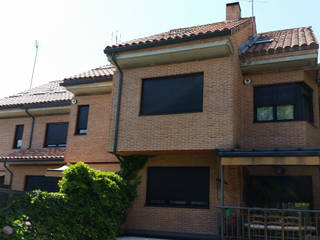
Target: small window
[82,120]
[56,135]
[172,95]
[285,112]
[283,102]
[178,186]
[18,137]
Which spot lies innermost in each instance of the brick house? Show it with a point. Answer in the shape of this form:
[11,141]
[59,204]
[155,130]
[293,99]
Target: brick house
[49,126]
[231,118]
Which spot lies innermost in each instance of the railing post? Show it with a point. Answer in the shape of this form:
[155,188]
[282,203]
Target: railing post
[222,201]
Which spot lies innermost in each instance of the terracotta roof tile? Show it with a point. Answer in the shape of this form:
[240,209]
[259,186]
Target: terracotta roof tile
[33,154]
[284,40]
[46,93]
[103,71]
[186,32]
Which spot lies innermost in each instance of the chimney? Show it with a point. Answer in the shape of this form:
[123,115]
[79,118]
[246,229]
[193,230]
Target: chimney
[233,11]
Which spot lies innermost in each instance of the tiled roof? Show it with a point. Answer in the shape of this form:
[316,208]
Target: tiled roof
[103,71]
[50,92]
[186,32]
[283,41]
[35,154]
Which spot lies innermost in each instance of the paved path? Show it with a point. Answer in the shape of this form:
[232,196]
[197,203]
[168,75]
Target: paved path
[138,238]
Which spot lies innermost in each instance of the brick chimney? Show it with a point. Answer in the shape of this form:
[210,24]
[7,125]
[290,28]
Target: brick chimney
[233,11]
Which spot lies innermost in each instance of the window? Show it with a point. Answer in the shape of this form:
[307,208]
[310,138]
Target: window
[48,184]
[178,186]
[56,135]
[18,137]
[283,102]
[172,95]
[82,120]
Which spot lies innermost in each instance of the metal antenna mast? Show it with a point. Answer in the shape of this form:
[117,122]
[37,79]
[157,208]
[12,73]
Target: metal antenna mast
[252,5]
[34,63]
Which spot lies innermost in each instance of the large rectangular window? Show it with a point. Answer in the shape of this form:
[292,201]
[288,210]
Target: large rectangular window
[283,102]
[172,95]
[56,135]
[178,186]
[82,120]
[18,137]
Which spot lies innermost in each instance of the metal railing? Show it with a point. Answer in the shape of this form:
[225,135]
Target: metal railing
[268,223]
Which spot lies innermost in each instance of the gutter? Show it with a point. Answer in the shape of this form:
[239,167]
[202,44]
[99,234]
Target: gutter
[32,127]
[116,128]
[166,42]
[11,173]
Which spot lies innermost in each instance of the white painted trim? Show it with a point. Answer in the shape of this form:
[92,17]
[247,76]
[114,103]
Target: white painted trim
[89,85]
[280,60]
[175,50]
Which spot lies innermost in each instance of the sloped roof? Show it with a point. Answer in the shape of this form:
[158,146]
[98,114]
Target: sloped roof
[35,154]
[103,73]
[181,33]
[294,39]
[50,92]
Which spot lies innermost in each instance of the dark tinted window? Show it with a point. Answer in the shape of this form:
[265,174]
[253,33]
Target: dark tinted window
[48,184]
[56,135]
[82,120]
[18,136]
[170,95]
[283,102]
[178,186]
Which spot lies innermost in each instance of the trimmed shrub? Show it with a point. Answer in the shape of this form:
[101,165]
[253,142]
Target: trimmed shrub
[91,205]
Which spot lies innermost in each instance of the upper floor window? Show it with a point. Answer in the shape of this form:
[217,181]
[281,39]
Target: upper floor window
[18,137]
[171,95]
[283,102]
[82,120]
[56,135]
[178,186]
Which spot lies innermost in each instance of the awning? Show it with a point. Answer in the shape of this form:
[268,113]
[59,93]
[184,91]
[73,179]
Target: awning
[246,157]
[56,172]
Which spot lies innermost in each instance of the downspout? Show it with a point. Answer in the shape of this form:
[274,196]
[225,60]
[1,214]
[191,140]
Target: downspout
[32,127]
[11,173]
[116,128]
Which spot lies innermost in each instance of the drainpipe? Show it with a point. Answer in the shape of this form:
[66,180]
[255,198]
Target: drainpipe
[11,173]
[32,127]
[116,128]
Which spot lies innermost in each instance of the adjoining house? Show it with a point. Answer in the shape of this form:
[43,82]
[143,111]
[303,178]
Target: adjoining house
[231,117]
[47,127]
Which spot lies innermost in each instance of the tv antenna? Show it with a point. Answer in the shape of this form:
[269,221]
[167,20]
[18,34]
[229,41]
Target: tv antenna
[34,63]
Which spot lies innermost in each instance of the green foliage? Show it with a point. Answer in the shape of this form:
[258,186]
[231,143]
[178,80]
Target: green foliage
[129,170]
[91,205]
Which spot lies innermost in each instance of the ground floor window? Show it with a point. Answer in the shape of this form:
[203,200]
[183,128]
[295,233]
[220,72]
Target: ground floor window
[178,186]
[294,192]
[43,183]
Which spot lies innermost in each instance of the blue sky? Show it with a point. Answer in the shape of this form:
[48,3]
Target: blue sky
[73,33]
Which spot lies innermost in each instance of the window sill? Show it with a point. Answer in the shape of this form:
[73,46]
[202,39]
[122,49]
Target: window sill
[176,206]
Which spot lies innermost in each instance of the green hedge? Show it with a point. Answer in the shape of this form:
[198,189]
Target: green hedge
[91,205]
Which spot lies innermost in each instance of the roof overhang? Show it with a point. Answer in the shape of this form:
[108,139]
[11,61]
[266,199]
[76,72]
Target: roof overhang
[186,53]
[166,42]
[33,161]
[270,157]
[40,111]
[306,61]
[90,88]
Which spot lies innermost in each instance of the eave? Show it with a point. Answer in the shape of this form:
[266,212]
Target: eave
[277,64]
[40,111]
[100,87]
[186,53]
